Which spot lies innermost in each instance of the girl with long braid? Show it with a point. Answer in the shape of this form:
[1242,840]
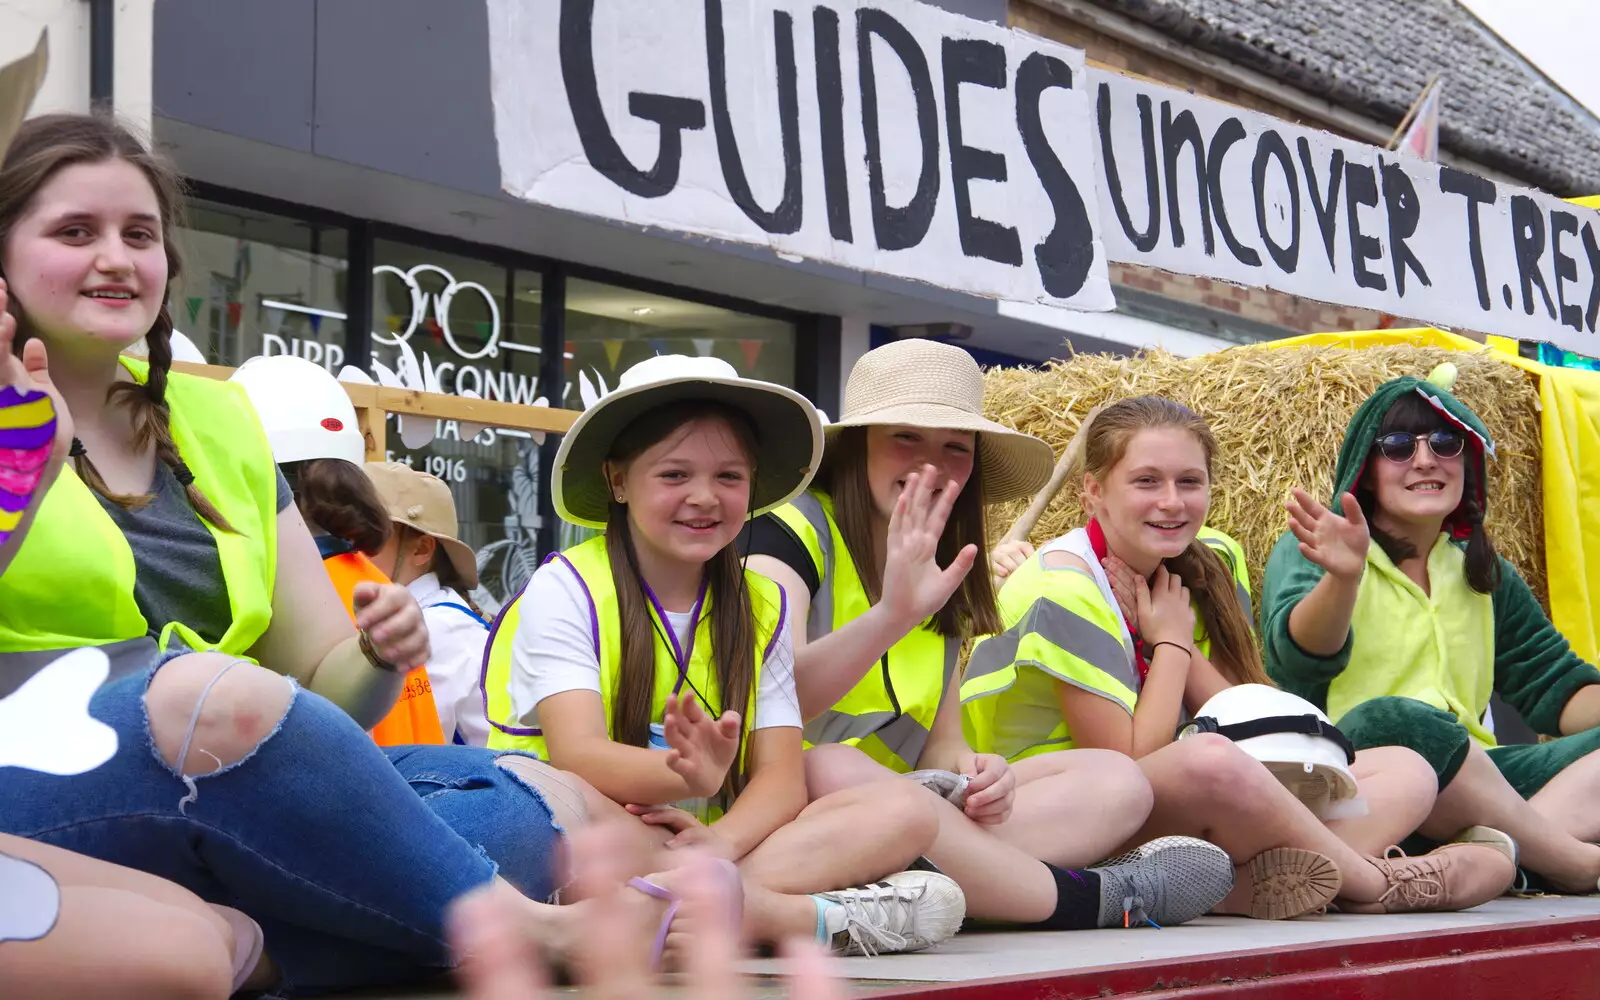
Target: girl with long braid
[171,542]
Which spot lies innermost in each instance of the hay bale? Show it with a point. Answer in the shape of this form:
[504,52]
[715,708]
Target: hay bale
[1279,417]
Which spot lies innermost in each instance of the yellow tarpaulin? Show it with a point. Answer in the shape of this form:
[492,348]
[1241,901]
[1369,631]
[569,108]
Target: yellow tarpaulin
[1569,424]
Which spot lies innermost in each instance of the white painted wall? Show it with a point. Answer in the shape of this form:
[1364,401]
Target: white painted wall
[66,87]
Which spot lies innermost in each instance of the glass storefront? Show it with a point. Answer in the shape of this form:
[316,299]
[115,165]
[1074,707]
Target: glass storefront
[472,328]
[257,283]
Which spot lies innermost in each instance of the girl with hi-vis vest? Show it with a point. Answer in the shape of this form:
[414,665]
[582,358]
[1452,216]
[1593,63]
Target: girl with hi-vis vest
[311,426]
[1118,629]
[876,559]
[151,938]
[239,686]
[651,663]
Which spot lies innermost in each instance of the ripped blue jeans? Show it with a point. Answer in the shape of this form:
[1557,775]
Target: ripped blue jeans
[347,854]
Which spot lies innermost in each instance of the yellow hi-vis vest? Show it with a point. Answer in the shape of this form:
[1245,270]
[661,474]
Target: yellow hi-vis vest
[1058,622]
[590,562]
[889,713]
[71,583]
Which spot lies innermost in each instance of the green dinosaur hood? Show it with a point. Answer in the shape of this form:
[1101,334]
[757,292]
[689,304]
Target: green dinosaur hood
[1362,433]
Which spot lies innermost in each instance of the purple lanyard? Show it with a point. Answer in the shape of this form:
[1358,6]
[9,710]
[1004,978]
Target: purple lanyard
[681,654]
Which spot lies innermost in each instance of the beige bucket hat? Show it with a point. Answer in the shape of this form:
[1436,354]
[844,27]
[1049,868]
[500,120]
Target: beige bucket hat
[923,383]
[423,502]
[789,429]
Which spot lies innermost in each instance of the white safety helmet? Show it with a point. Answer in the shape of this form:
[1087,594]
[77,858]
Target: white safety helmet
[1290,736]
[303,408]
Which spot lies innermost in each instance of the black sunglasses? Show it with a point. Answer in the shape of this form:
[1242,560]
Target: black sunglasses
[1401,446]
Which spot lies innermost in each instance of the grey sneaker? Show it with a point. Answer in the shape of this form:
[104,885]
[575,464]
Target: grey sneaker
[1170,880]
[905,912]
[948,785]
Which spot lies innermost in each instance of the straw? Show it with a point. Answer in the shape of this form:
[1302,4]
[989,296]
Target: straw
[1279,417]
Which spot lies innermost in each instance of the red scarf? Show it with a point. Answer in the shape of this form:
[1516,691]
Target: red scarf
[1097,541]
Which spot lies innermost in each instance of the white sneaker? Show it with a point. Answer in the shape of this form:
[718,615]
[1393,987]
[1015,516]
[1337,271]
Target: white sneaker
[905,912]
[1170,880]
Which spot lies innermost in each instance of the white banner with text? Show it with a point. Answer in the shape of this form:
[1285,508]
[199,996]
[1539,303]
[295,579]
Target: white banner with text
[890,137]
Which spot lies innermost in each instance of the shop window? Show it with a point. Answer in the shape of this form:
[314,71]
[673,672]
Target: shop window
[473,329]
[255,283]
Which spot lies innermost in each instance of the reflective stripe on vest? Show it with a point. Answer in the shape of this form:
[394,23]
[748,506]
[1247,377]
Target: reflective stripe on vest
[415,716]
[1060,644]
[590,563]
[75,547]
[889,713]
[1009,712]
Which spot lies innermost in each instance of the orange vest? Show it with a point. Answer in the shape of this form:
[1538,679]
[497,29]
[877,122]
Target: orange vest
[414,718]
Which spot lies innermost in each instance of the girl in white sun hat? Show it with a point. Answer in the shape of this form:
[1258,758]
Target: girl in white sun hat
[649,662]
[876,560]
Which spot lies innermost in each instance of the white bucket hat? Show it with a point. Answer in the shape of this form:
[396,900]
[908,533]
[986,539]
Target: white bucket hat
[788,431]
[1291,736]
[923,383]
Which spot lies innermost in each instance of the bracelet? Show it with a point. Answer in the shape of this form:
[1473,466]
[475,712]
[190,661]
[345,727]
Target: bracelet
[1168,642]
[365,642]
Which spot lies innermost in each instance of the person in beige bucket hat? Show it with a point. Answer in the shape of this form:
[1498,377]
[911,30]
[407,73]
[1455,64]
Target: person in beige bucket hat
[946,393]
[876,559]
[424,555]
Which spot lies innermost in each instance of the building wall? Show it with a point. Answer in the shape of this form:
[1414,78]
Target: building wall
[1290,312]
[66,85]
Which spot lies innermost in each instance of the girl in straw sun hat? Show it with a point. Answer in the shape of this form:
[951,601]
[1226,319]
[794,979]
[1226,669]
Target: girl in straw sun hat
[1119,629]
[423,554]
[876,561]
[650,663]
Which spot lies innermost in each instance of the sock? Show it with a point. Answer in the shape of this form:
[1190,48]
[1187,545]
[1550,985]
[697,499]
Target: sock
[1077,901]
[823,906]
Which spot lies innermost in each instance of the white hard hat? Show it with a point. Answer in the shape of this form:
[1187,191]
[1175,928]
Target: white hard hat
[1289,735]
[303,408]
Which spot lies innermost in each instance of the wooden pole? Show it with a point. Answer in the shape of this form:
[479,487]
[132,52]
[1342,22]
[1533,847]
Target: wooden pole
[1041,501]
[1411,112]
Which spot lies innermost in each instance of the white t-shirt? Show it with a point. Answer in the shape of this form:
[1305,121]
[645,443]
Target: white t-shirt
[456,667]
[554,651]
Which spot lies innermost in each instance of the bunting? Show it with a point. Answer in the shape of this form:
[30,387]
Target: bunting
[702,346]
[752,351]
[613,352]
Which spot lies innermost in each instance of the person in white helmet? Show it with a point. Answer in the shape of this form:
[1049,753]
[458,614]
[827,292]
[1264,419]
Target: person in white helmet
[311,426]
[1114,630]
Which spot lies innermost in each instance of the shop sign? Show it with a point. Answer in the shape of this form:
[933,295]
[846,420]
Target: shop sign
[1199,187]
[890,136]
[459,376]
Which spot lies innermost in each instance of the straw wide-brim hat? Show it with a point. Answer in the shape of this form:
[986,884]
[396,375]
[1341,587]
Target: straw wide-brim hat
[423,502]
[923,383]
[788,431]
